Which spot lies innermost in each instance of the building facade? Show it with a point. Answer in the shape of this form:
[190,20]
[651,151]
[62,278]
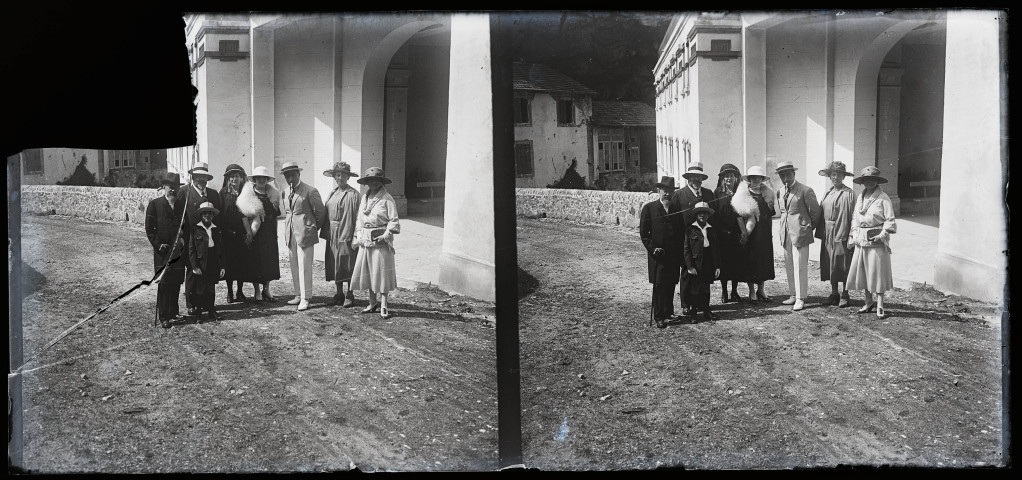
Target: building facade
[624,139]
[409,93]
[917,93]
[116,168]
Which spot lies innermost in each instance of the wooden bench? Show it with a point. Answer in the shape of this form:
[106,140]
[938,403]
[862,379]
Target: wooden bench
[430,186]
[925,184]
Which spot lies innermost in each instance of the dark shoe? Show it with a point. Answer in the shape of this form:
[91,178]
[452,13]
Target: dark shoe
[686,311]
[230,297]
[349,300]
[212,314]
[335,300]
[724,298]
[832,299]
[192,311]
[240,296]
[661,323]
[267,297]
[761,297]
[735,297]
[843,302]
[708,315]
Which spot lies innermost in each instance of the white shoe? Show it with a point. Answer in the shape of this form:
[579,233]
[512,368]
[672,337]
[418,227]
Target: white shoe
[295,301]
[789,301]
[303,305]
[799,305]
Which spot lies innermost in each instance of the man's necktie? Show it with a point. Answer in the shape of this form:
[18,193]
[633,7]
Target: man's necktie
[786,196]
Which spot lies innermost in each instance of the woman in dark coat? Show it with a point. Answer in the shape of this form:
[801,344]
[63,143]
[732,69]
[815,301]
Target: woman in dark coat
[258,204]
[729,233]
[236,252]
[754,202]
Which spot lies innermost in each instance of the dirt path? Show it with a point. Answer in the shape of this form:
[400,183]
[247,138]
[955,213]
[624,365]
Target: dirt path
[760,387]
[264,389]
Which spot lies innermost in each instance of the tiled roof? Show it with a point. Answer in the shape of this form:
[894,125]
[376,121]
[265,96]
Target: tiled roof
[624,113]
[539,77]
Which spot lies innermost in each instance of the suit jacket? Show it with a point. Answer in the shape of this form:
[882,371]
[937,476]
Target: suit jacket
[303,214]
[798,214]
[200,252]
[191,208]
[683,199]
[161,227]
[657,230]
[695,252]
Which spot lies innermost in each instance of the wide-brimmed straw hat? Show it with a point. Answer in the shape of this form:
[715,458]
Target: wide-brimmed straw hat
[784,166]
[261,171]
[755,171]
[695,170]
[200,170]
[340,167]
[702,207]
[373,173]
[836,166]
[870,172]
[207,207]
[234,167]
[666,183]
[289,167]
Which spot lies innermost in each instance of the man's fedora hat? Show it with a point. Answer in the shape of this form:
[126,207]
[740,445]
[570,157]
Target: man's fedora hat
[870,172]
[373,173]
[340,167]
[695,169]
[171,179]
[666,183]
[261,171]
[702,207]
[836,166]
[785,166]
[207,207]
[289,167]
[200,169]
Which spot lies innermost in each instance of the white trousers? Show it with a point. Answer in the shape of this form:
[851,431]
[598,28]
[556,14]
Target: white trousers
[798,278]
[301,269]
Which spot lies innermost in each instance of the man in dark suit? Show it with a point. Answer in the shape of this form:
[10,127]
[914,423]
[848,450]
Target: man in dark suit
[189,199]
[663,250]
[684,200]
[162,227]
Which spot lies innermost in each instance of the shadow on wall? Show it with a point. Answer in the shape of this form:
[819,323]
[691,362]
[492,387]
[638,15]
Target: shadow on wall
[571,179]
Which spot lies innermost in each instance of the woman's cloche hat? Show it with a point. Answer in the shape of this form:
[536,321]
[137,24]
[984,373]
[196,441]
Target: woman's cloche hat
[870,172]
[200,170]
[261,171]
[373,173]
[728,168]
[207,207]
[234,167]
[702,207]
[340,167]
[695,169]
[836,166]
[666,183]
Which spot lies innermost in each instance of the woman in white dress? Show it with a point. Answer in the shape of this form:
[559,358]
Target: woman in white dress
[374,237]
[872,226]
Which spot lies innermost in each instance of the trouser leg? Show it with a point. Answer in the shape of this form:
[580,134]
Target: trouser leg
[305,271]
[295,269]
[800,257]
[789,266]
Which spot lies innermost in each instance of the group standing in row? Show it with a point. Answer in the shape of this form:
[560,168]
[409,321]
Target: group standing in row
[694,237]
[201,236]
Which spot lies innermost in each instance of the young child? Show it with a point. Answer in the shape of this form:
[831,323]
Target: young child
[701,260]
[206,255]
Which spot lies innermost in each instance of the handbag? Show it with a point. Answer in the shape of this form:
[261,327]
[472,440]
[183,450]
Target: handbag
[376,233]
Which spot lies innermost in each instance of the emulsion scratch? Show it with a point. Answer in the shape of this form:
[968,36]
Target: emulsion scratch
[562,433]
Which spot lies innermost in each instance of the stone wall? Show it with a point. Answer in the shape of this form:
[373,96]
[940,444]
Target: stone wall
[93,203]
[589,206]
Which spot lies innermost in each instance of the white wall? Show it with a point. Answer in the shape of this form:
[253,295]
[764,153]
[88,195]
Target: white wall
[553,147]
[60,163]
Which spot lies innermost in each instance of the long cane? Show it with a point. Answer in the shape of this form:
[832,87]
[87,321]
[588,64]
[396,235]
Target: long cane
[170,257]
[652,305]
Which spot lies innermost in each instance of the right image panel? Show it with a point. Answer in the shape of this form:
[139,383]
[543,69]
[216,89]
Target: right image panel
[734,248]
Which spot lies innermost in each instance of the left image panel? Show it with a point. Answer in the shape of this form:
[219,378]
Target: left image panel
[309,286]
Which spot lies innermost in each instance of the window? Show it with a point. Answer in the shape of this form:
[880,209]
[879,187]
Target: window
[33,159]
[720,45]
[523,158]
[612,150]
[633,154]
[565,112]
[233,46]
[523,116]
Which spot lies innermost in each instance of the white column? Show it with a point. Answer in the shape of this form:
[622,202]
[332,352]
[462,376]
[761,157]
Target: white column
[262,99]
[754,96]
[889,129]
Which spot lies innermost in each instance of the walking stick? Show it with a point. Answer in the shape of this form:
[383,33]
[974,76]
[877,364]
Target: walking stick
[652,306]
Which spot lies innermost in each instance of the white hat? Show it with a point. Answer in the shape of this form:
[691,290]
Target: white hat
[696,168]
[261,171]
[755,170]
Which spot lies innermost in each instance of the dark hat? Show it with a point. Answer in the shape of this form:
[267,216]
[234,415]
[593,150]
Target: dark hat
[340,167]
[234,167]
[207,207]
[729,168]
[785,166]
[870,172]
[836,166]
[169,178]
[200,170]
[702,207]
[289,167]
[666,183]
[695,169]
[373,173]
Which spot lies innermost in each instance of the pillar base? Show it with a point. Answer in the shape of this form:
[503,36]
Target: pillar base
[968,278]
[467,276]
[402,205]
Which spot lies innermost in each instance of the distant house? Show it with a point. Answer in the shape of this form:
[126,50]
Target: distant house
[121,168]
[552,125]
[624,136]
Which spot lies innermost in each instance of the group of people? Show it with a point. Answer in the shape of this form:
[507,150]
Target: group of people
[695,237]
[201,237]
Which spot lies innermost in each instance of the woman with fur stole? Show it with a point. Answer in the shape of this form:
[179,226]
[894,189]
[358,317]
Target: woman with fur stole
[258,203]
[754,203]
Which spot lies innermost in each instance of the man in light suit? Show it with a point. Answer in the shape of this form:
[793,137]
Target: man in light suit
[799,211]
[684,200]
[303,211]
